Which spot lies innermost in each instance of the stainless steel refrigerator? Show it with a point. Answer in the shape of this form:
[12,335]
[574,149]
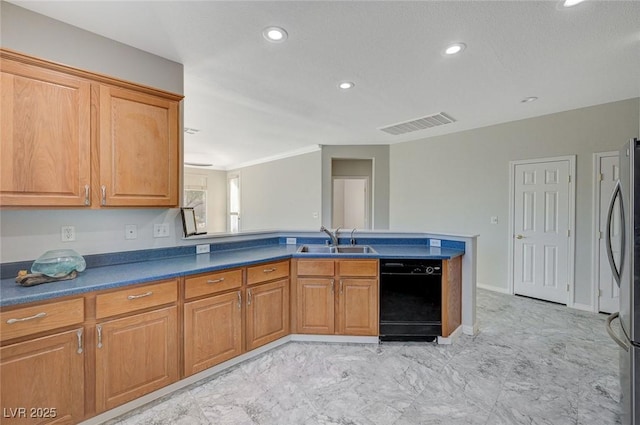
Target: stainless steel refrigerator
[625,266]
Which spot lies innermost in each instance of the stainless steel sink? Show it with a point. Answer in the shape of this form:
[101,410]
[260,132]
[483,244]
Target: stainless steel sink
[340,249]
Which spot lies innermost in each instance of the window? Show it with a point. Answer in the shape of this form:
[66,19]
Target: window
[234,204]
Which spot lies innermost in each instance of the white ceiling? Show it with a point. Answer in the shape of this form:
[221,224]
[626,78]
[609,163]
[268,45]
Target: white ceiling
[251,99]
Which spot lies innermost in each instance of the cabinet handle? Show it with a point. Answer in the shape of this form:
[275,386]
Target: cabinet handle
[249,297]
[24,319]
[239,300]
[135,297]
[79,334]
[272,269]
[99,329]
[333,282]
[104,194]
[216,280]
[87,201]
[341,286]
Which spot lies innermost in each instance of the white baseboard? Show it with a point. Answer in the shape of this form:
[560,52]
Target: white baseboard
[470,330]
[335,338]
[583,307]
[493,288]
[453,336]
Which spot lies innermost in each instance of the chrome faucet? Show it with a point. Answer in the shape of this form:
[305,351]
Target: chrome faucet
[352,241]
[333,236]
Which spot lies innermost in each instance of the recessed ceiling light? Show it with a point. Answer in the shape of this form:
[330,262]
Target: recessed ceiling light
[529,99]
[346,85]
[455,48]
[275,34]
[569,3]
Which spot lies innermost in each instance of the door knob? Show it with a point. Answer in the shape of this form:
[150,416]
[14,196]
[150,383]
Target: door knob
[519,237]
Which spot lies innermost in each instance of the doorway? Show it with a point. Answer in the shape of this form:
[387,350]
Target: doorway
[352,193]
[350,202]
[606,168]
[542,227]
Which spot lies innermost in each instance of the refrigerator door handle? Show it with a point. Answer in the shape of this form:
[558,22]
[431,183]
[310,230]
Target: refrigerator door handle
[615,270]
[613,335]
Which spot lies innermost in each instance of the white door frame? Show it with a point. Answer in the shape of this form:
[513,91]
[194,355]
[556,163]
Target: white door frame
[572,220]
[595,237]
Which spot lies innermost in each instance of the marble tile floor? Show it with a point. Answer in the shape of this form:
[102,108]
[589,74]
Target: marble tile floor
[532,363]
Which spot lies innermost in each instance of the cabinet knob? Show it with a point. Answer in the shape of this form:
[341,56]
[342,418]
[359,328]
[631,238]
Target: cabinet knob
[519,237]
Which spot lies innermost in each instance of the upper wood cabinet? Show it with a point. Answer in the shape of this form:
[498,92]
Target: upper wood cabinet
[138,149]
[72,138]
[45,137]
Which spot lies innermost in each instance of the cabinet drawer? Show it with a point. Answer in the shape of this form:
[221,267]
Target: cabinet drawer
[268,271]
[212,283]
[31,320]
[316,268]
[358,268]
[136,298]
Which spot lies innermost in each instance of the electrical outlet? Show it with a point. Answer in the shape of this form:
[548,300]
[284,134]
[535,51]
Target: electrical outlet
[131,231]
[68,233]
[494,219]
[291,241]
[161,230]
[434,242]
[202,249]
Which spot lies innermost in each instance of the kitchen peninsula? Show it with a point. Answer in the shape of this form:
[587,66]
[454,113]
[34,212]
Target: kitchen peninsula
[166,303]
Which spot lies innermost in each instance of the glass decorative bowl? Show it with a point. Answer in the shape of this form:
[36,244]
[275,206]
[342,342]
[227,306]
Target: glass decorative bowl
[58,263]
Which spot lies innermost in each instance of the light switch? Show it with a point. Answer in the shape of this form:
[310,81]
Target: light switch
[494,219]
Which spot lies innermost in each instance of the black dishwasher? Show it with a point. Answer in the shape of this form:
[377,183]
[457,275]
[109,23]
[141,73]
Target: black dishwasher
[410,300]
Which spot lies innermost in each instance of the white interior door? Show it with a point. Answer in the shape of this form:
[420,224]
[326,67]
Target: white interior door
[541,227]
[350,202]
[608,295]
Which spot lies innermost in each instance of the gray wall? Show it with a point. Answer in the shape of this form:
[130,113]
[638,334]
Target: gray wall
[26,234]
[455,183]
[46,38]
[380,183]
[282,194]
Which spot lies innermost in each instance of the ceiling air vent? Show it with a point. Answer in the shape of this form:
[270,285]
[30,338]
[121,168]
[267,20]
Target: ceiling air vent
[418,124]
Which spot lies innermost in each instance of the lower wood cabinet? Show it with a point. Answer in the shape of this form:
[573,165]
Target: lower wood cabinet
[135,355]
[267,313]
[42,380]
[357,306]
[212,331]
[234,317]
[337,297]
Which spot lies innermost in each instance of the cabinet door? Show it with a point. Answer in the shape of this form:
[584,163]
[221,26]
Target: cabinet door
[45,137]
[135,356]
[212,331]
[138,149]
[358,307]
[316,306]
[42,380]
[267,313]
